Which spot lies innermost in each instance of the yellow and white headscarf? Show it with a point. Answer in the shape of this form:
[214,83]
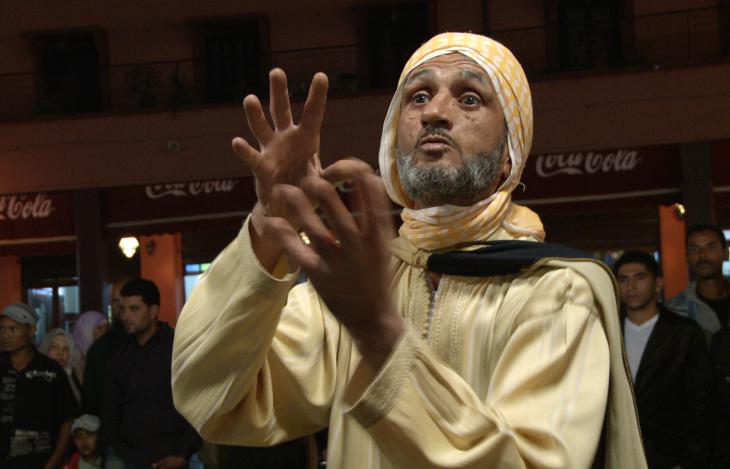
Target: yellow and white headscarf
[441,227]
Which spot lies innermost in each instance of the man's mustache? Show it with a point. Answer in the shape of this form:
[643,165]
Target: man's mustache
[436,132]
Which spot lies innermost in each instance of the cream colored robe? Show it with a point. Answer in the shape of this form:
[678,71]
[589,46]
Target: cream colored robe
[507,371]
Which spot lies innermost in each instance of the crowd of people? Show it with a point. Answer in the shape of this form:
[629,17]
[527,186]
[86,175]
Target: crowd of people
[101,390]
[472,345]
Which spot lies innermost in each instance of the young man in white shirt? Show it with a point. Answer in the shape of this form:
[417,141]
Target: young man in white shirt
[670,367]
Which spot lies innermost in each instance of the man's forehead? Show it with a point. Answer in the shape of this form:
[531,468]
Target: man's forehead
[134,299]
[632,268]
[703,237]
[8,321]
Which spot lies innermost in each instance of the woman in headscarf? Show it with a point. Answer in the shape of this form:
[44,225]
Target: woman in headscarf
[89,326]
[59,346]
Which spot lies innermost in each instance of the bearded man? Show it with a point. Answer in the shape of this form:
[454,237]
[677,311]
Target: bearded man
[460,344]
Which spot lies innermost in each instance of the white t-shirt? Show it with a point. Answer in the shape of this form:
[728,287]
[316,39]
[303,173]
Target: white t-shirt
[635,338]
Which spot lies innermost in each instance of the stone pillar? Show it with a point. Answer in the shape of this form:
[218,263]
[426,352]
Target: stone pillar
[91,253]
[697,183]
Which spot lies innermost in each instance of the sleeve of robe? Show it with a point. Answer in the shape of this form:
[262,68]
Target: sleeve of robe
[253,358]
[545,407]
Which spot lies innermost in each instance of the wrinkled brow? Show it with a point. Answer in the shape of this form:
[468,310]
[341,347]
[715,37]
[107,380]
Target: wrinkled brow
[416,75]
[466,73]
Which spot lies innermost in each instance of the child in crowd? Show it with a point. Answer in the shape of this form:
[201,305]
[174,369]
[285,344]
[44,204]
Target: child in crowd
[89,454]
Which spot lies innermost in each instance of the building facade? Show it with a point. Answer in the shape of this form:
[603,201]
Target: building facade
[117,120]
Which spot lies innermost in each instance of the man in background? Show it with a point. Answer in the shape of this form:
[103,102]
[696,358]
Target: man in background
[99,354]
[707,299]
[670,367]
[139,420]
[36,402]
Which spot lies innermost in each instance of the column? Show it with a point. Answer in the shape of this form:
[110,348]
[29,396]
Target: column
[697,182]
[91,253]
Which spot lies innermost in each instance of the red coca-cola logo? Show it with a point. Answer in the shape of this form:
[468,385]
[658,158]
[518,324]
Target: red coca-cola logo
[578,164]
[25,207]
[187,189]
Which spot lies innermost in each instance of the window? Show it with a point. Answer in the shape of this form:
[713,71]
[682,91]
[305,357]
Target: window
[390,34]
[69,78]
[234,60]
[589,34]
[192,275]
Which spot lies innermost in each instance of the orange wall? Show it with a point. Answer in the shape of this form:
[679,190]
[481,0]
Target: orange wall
[674,263]
[161,262]
[9,280]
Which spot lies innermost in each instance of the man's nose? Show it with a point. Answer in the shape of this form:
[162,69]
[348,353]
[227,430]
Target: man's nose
[437,112]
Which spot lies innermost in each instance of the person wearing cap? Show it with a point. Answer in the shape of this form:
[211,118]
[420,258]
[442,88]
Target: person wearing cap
[36,402]
[89,453]
[466,342]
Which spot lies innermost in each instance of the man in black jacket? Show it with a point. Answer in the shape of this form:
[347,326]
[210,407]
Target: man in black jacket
[139,419]
[671,370]
[720,352]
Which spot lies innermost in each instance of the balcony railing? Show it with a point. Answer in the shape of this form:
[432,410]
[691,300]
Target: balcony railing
[682,38]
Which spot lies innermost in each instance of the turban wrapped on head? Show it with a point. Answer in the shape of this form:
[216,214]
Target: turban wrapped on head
[440,227]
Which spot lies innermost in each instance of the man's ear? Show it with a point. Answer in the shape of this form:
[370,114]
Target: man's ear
[506,167]
[658,285]
[154,311]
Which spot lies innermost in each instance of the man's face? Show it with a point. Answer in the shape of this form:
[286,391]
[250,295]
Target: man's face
[637,286]
[137,317]
[449,116]
[59,351]
[14,335]
[705,254]
[85,442]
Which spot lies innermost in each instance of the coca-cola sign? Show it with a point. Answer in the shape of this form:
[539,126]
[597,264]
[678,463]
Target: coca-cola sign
[25,207]
[190,189]
[178,205]
[580,164]
[563,178]
[36,215]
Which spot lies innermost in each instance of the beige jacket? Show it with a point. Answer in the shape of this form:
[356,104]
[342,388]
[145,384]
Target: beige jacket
[510,371]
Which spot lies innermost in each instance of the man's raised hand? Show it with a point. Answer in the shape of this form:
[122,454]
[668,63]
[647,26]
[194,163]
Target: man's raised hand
[288,152]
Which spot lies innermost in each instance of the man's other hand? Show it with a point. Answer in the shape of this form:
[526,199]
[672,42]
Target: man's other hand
[345,257]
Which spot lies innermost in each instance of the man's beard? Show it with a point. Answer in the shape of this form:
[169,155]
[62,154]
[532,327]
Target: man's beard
[435,185]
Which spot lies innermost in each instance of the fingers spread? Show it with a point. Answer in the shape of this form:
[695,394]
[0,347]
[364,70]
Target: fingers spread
[257,120]
[247,153]
[279,105]
[313,112]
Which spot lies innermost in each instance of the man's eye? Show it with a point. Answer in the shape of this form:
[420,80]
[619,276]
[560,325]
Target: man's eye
[470,100]
[420,98]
